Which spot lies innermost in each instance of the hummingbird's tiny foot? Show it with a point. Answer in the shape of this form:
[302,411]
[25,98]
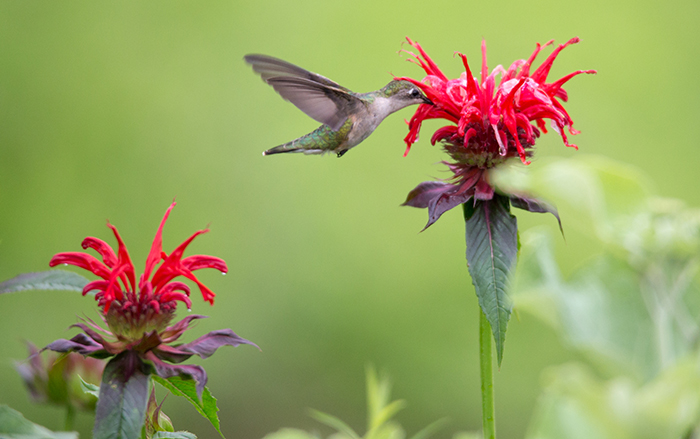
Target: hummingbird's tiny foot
[342,153]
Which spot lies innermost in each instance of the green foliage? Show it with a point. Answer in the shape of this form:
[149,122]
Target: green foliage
[380,411]
[121,407]
[158,424]
[45,280]
[186,388]
[90,389]
[15,426]
[579,405]
[492,250]
[174,435]
[633,310]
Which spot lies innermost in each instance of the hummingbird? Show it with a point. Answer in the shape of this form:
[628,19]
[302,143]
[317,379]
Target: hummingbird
[348,118]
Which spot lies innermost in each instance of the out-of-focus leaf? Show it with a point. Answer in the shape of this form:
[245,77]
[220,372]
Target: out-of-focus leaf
[290,433]
[334,422]
[15,426]
[578,405]
[121,408]
[379,414]
[430,429]
[187,388]
[174,435]
[379,409]
[492,249]
[386,414]
[45,280]
[607,310]
[467,435]
[592,193]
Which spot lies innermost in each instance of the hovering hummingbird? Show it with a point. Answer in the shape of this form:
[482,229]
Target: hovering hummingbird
[348,118]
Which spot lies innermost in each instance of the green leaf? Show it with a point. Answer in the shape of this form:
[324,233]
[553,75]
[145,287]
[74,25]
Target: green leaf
[334,422]
[290,433]
[492,250]
[45,280]
[379,410]
[186,388]
[173,435]
[386,413]
[577,404]
[594,194]
[121,409]
[15,426]
[626,320]
[89,388]
[431,429]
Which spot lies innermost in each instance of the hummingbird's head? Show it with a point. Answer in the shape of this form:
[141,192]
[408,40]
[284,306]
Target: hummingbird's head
[405,92]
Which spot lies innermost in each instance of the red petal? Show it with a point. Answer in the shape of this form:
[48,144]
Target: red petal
[484,67]
[553,89]
[197,262]
[82,260]
[172,265]
[101,247]
[154,255]
[124,261]
[432,69]
[525,71]
[100,285]
[542,71]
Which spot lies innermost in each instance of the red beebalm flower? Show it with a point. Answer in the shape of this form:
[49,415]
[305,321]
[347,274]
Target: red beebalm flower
[138,317]
[489,123]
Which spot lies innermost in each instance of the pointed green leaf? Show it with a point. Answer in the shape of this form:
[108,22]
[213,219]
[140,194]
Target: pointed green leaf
[89,388]
[187,388]
[334,422]
[291,433]
[492,249]
[121,409]
[467,435]
[15,426]
[431,429]
[45,280]
[387,412]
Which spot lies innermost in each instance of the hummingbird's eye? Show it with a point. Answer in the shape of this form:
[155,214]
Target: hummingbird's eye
[414,93]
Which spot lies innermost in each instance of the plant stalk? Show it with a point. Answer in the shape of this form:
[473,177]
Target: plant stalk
[487,406]
[70,417]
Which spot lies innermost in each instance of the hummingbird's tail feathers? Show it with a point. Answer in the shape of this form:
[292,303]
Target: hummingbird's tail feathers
[280,149]
[290,147]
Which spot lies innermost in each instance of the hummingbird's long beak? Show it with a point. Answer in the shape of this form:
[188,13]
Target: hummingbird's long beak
[427,101]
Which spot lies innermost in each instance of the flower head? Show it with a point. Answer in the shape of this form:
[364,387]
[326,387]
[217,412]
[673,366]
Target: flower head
[153,303]
[489,123]
[138,315]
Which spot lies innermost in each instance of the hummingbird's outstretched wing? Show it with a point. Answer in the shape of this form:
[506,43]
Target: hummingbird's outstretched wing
[315,95]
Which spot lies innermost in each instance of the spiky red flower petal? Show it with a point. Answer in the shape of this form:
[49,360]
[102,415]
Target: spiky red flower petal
[489,119]
[155,295]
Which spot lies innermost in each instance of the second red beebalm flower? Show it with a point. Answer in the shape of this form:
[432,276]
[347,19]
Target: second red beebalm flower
[489,123]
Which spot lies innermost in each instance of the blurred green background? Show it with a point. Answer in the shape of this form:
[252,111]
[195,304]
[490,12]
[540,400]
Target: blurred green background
[110,110]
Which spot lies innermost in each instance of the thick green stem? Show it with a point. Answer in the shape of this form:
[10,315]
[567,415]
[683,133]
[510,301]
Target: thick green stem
[487,406]
[70,417]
